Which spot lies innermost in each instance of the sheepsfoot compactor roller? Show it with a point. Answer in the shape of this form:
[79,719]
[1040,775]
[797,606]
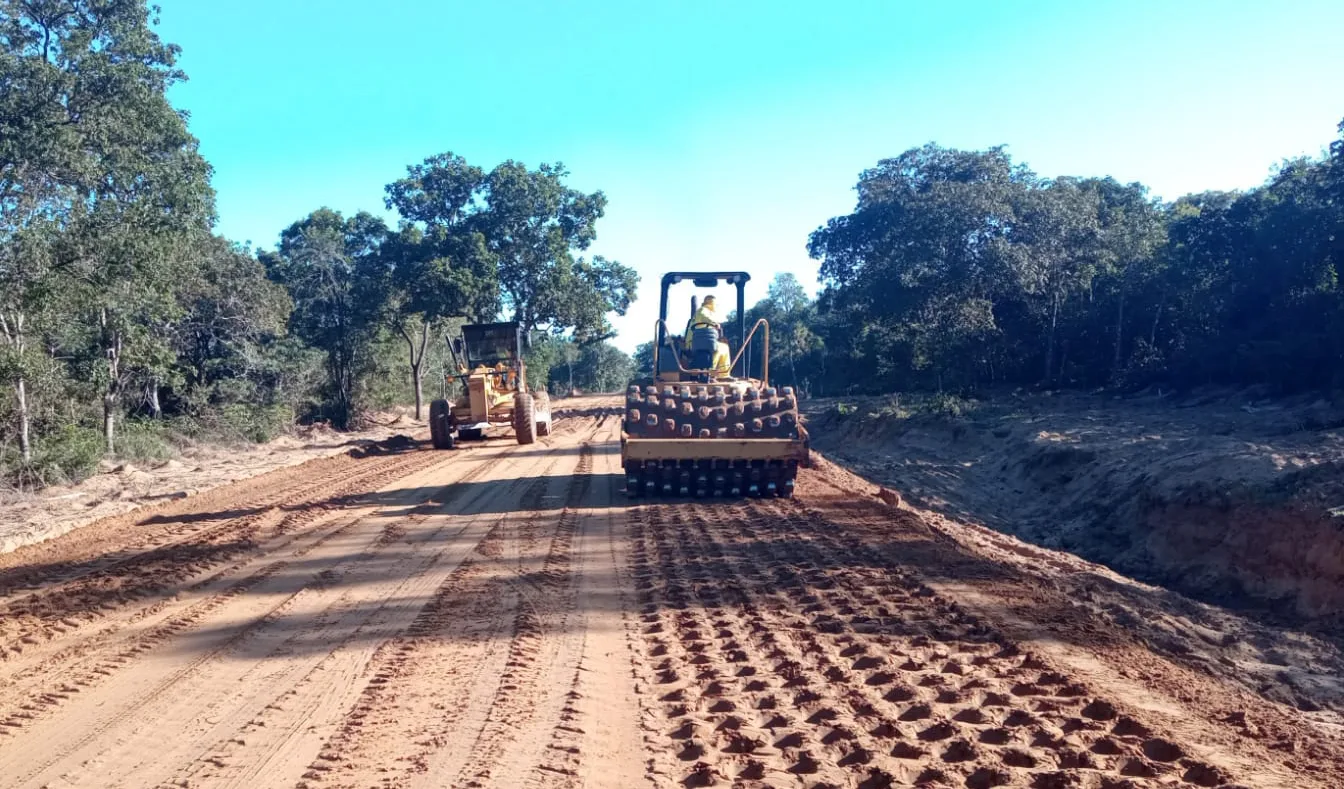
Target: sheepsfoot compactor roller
[489,362]
[694,428]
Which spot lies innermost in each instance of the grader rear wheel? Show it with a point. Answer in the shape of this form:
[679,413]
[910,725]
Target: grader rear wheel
[542,406]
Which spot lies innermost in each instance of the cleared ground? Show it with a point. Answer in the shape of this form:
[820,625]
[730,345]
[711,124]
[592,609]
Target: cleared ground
[502,616]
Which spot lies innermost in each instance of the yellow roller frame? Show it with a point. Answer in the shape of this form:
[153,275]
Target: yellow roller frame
[714,449]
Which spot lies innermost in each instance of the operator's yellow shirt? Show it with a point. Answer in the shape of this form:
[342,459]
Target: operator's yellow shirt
[705,316]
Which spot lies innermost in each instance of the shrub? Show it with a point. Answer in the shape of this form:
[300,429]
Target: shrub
[68,455]
[254,424]
[144,440]
[949,406]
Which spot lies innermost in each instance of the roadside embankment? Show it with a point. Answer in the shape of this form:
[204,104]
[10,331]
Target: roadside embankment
[1229,501]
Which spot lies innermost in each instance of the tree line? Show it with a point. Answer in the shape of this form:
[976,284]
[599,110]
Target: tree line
[962,271]
[121,309]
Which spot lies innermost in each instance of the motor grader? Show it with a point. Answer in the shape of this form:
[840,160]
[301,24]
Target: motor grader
[690,429]
[489,362]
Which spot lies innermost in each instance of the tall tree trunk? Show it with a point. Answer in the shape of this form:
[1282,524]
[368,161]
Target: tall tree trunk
[1157,316]
[152,399]
[25,442]
[416,379]
[419,365]
[340,372]
[1119,335]
[112,351]
[1050,342]
[342,369]
[109,422]
[417,357]
[12,325]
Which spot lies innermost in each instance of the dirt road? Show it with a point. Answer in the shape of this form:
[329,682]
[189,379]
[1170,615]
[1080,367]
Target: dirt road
[501,616]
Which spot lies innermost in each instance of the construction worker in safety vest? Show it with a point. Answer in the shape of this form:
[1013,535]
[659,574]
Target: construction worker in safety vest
[706,316]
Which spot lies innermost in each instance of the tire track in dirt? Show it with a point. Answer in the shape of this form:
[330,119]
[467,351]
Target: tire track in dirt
[598,712]
[477,689]
[423,683]
[495,618]
[435,683]
[222,678]
[257,616]
[97,657]
[781,654]
[282,729]
[81,599]
[115,539]
[529,740]
[542,642]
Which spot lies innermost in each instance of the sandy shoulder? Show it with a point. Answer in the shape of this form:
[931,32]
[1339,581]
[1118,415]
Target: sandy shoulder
[28,518]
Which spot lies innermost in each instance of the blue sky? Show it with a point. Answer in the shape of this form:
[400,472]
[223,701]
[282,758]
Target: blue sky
[724,132]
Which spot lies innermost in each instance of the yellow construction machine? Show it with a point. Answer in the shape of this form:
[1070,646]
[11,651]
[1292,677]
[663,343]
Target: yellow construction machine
[489,362]
[690,429]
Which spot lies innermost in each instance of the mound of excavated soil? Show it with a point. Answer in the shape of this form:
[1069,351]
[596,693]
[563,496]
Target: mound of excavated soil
[1230,502]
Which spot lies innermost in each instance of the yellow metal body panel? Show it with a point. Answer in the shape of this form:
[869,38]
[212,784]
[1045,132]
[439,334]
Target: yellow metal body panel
[714,449]
[479,390]
[489,396]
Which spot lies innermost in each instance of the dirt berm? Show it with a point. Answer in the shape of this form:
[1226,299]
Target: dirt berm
[1228,500]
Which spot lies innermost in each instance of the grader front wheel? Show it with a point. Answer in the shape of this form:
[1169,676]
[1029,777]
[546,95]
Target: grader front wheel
[440,428]
[524,418]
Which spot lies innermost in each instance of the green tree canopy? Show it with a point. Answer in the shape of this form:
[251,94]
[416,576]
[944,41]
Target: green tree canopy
[101,183]
[331,268]
[963,269]
[507,240]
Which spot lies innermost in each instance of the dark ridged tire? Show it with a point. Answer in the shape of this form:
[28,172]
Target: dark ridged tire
[524,418]
[440,430]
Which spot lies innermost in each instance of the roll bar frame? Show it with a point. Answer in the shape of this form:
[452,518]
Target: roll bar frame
[661,329]
[706,279]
